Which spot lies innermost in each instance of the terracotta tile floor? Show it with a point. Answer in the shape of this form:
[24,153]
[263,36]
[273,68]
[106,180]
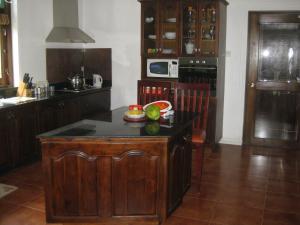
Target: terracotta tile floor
[249,186]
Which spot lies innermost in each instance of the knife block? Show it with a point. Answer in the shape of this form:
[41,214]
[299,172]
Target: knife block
[23,91]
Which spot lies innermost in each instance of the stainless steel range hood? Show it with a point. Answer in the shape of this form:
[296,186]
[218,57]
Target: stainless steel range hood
[65,20]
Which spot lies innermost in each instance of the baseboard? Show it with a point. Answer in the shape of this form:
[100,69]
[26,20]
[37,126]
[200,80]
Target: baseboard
[231,141]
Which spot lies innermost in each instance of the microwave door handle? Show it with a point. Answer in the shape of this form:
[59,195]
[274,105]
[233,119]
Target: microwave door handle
[170,70]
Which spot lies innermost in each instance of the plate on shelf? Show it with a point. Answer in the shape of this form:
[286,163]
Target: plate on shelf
[171,20]
[152,36]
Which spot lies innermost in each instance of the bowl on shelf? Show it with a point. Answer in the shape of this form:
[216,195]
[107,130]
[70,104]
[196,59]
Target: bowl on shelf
[149,19]
[170,35]
[171,20]
[152,36]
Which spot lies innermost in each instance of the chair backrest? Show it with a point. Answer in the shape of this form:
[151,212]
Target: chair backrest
[193,97]
[150,91]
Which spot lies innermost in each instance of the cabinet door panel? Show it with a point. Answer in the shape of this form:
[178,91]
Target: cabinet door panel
[5,148]
[135,184]
[26,132]
[175,176]
[74,184]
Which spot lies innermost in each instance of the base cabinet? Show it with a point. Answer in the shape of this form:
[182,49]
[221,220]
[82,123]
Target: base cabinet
[19,125]
[134,180]
[5,146]
[180,159]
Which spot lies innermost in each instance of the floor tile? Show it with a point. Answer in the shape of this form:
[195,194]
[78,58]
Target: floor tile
[174,220]
[278,218]
[283,187]
[23,194]
[23,216]
[229,215]
[195,208]
[283,203]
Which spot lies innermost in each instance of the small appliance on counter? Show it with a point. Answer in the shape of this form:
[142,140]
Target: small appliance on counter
[97,80]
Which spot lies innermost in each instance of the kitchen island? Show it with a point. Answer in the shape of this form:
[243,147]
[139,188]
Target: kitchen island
[115,171]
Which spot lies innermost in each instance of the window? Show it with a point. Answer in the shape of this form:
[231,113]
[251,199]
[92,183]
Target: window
[5,45]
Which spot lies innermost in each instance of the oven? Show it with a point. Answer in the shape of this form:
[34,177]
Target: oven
[199,70]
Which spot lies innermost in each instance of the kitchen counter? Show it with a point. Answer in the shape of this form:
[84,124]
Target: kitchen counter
[94,128]
[115,171]
[58,95]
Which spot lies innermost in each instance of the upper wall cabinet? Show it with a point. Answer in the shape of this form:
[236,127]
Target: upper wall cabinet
[173,28]
[160,28]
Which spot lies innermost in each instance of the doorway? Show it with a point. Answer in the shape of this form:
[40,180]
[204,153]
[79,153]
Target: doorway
[272,107]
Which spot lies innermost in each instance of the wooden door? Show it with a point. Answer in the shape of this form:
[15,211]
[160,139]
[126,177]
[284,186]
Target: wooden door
[272,110]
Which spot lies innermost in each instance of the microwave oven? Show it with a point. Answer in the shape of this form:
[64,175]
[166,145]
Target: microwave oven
[165,68]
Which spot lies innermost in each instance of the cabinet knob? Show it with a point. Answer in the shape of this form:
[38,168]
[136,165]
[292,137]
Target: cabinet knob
[196,50]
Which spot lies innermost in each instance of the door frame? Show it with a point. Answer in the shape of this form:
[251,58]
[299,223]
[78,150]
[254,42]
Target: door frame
[251,85]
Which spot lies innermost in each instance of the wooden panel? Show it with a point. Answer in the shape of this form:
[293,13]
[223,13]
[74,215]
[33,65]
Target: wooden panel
[98,61]
[135,184]
[104,187]
[175,177]
[63,63]
[5,150]
[74,181]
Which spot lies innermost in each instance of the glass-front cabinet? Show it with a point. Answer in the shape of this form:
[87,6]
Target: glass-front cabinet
[169,32]
[199,27]
[179,28]
[150,29]
[160,29]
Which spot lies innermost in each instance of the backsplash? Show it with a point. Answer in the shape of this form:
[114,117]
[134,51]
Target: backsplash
[64,63]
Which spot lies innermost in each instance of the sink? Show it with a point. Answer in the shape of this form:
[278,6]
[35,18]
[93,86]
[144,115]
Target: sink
[16,100]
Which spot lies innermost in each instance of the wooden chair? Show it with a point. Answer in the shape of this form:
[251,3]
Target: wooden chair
[194,97]
[150,91]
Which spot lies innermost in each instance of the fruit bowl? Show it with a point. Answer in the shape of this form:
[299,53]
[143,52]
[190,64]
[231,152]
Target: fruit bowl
[163,105]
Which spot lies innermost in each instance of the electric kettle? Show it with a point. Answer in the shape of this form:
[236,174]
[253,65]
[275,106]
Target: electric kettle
[97,80]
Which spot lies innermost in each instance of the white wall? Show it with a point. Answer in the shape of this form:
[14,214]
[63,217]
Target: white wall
[116,24]
[32,22]
[31,27]
[236,45]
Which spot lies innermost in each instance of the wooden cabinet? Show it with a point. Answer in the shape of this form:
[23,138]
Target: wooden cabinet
[200,26]
[17,136]
[95,103]
[54,114]
[23,131]
[5,147]
[104,180]
[179,169]
[109,180]
[181,28]
[19,125]
[160,28]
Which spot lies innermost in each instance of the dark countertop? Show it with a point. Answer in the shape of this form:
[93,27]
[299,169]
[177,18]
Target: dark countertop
[58,95]
[116,127]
